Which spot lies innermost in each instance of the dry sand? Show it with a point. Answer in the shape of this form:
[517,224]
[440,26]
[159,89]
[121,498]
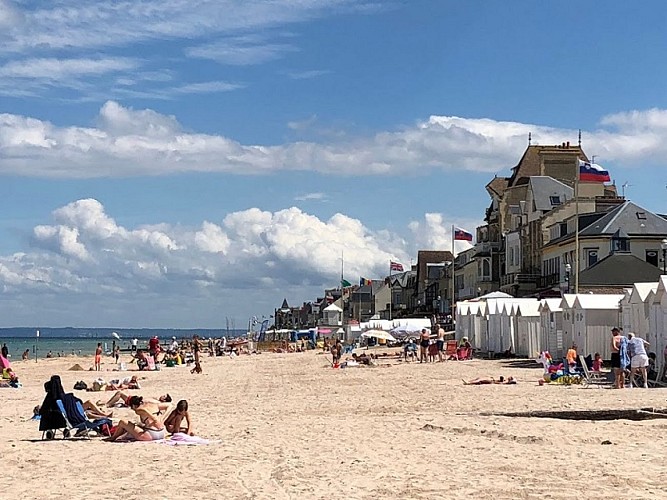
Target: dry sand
[289,426]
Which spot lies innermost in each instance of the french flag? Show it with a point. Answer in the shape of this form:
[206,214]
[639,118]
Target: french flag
[590,172]
[461,235]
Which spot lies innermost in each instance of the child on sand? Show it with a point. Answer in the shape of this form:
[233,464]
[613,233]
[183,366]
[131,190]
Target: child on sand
[174,421]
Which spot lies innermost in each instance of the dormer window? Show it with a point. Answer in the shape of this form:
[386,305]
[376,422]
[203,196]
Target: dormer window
[620,242]
[555,200]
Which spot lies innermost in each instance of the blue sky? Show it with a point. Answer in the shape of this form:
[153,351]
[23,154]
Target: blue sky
[170,165]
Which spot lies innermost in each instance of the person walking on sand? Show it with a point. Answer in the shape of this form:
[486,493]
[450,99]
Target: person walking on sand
[98,357]
[196,347]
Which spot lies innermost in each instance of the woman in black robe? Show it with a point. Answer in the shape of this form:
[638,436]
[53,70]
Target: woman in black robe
[51,416]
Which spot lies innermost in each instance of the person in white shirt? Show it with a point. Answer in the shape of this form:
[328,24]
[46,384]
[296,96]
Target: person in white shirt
[638,357]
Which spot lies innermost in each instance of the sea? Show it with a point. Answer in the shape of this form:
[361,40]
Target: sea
[83,341]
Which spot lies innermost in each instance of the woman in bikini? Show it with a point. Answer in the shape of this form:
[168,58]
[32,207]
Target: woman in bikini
[98,357]
[149,427]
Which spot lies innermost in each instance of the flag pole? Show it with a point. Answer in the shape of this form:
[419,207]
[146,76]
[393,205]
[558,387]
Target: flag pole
[391,294]
[576,227]
[451,303]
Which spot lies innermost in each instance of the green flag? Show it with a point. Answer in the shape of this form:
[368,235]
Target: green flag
[345,283]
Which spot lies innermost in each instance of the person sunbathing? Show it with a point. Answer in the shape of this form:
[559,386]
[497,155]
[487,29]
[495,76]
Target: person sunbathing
[122,399]
[174,421]
[491,380]
[362,359]
[149,427]
[126,383]
[93,411]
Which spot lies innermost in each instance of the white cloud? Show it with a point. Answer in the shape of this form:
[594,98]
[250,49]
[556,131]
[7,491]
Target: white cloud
[10,15]
[72,24]
[241,51]
[86,254]
[243,33]
[56,69]
[128,142]
[311,197]
[435,232]
[308,74]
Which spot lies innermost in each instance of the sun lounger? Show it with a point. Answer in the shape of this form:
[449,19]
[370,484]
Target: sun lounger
[589,377]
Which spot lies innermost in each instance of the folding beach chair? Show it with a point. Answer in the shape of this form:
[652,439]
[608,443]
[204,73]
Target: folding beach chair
[75,416]
[590,378]
[659,380]
[451,350]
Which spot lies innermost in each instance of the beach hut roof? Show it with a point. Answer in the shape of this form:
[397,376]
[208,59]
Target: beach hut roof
[661,290]
[528,308]
[494,295]
[597,301]
[333,307]
[568,301]
[551,305]
[641,290]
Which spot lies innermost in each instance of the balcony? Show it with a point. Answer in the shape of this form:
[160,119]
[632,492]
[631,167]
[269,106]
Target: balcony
[486,247]
[466,293]
[549,281]
[519,278]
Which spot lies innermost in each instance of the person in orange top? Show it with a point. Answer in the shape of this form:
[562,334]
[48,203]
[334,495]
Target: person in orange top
[571,356]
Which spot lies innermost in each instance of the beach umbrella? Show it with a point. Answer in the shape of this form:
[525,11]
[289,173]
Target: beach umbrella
[379,334]
[115,335]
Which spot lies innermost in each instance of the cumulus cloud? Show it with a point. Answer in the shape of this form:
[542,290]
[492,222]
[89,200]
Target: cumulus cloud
[84,254]
[129,142]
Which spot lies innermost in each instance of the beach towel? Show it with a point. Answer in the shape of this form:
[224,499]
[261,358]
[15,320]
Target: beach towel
[174,440]
[180,438]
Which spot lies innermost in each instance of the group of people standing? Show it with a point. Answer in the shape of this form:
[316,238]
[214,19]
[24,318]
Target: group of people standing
[628,352]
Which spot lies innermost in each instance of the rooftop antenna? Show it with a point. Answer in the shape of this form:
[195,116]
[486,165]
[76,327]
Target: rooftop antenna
[626,184]
[579,137]
[530,138]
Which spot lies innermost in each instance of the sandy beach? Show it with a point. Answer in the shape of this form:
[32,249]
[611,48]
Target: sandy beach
[289,426]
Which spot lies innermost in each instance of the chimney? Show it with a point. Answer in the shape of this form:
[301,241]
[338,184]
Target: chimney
[568,144]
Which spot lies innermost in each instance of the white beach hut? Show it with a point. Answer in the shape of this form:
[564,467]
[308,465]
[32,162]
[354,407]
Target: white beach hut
[636,309]
[482,321]
[332,315]
[527,328]
[594,317]
[658,319]
[566,305]
[551,325]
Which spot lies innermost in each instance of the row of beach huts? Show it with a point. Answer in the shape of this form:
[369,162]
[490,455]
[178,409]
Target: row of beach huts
[497,323]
